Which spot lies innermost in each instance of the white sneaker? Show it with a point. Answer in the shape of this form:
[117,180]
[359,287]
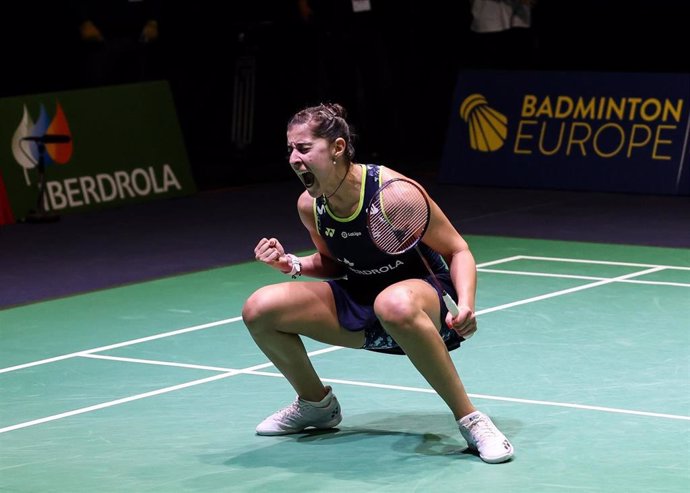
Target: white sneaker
[303,414]
[482,435]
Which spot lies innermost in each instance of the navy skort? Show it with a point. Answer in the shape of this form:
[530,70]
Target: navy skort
[355,316]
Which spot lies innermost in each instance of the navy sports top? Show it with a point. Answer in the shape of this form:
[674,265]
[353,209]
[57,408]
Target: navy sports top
[369,270]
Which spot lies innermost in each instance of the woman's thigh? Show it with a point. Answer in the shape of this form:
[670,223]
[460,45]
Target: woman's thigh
[306,308]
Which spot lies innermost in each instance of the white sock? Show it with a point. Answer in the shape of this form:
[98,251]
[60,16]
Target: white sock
[323,402]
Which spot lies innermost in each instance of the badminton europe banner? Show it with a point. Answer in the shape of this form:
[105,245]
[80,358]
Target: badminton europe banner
[81,150]
[615,132]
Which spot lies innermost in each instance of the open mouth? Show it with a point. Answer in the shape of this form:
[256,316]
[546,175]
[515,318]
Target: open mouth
[307,178]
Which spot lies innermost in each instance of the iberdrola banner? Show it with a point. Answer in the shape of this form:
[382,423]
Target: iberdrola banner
[615,132]
[81,150]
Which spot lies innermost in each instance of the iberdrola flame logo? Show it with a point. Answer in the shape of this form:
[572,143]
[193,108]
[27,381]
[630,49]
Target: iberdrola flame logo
[29,142]
[488,127]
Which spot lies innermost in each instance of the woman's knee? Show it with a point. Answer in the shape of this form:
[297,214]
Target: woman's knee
[259,307]
[397,306]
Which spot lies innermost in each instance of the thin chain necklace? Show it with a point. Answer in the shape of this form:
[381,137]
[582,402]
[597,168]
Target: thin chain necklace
[326,197]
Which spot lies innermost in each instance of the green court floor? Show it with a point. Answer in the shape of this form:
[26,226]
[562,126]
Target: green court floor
[582,358]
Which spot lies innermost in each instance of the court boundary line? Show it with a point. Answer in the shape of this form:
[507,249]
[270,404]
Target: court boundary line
[599,262]
[165,334]
[653,268]
[252,371]
[586,278]
[121,344]
[144,395]
[574,289]
[480,267]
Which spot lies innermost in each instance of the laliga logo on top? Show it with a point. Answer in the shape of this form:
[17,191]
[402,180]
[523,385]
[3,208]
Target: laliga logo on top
[488,128]
[28,152]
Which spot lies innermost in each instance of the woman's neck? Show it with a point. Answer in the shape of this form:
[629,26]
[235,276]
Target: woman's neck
[344,199]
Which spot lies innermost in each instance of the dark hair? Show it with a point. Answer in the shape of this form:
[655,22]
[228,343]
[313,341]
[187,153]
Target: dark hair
[327,121]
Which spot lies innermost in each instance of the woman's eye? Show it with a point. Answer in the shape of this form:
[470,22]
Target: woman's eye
[300,149]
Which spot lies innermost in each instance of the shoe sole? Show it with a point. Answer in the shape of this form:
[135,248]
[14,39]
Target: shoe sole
[500,459]
[330,424]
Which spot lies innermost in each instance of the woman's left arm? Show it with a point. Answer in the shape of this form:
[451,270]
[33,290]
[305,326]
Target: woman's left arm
[442,237]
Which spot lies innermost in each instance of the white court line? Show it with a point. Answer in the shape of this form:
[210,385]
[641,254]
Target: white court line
[329,349]
[157,362]
[600,262]
[499,261]
[164,334]
[490,397]
[542,274]
[165,390]
[569,290]
[253,371]
[224,375]
[103,405]
[586,278]
[121,344]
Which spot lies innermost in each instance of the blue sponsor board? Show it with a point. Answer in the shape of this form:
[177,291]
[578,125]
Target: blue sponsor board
[616,132]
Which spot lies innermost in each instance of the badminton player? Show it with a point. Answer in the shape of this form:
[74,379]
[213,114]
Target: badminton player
[369,299]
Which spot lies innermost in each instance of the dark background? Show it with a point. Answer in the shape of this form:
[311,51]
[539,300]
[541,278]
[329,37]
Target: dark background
[393,68]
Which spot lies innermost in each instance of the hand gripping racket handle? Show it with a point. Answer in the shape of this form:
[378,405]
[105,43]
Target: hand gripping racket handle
[453,309]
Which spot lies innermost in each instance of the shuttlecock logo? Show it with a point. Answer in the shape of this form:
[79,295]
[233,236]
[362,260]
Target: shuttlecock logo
[488,128]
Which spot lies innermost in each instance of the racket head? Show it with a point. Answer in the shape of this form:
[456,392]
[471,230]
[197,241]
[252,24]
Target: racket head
[398,216]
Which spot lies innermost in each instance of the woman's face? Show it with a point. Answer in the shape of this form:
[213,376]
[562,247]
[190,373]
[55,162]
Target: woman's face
[311,158]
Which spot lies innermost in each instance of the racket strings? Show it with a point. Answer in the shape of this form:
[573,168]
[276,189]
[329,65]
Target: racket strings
[398,217]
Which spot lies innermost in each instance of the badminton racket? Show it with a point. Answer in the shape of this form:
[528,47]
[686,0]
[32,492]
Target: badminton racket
[398,217]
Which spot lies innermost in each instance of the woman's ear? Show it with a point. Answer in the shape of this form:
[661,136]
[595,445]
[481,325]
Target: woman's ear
[339,146]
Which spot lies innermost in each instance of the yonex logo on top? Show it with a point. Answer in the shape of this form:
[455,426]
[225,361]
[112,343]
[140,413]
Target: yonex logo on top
[330,232]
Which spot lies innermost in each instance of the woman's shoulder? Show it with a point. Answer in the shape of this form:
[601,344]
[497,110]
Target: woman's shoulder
[305,202]
[305,209]
[388,174]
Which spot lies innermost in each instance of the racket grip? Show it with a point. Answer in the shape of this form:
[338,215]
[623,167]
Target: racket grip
[453,309]
[450,304]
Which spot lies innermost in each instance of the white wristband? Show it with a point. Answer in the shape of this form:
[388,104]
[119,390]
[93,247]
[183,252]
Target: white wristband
[296,270]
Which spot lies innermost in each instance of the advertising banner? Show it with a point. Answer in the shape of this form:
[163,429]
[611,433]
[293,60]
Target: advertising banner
[615,132]
[82,150]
